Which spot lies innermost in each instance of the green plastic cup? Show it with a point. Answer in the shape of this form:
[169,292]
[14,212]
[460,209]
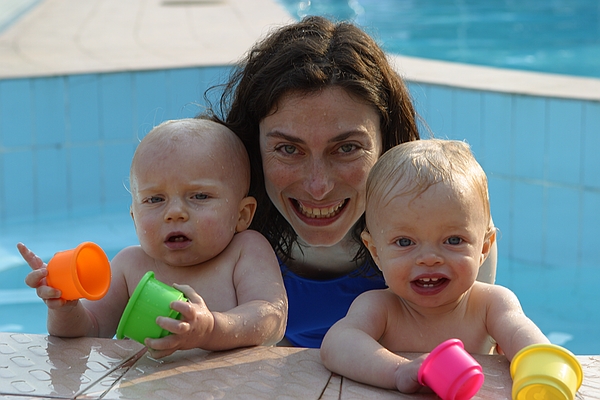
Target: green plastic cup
[151,299]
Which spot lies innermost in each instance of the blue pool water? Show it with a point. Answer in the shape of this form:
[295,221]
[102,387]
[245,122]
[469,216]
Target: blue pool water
[20,308]
[559,36]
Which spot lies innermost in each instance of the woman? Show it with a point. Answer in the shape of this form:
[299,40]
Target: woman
[316,103]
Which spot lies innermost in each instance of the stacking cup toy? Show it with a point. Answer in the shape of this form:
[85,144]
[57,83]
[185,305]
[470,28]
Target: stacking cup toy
[545,372]
[451,372]
[82,272]
[150,299]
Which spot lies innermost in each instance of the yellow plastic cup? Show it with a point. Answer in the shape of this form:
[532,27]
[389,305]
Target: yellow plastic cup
[545,372]
[150,299]
[82,272]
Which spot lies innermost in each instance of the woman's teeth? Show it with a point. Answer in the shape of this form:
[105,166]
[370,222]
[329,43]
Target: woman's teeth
[327,212]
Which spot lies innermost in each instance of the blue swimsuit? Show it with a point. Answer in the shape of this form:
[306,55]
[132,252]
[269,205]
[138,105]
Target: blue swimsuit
[314,306]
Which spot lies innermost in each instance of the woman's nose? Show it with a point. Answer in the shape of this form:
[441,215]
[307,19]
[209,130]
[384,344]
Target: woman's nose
[318,180]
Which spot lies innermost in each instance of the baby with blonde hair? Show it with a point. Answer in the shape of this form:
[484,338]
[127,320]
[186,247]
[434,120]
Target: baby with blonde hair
[429,229]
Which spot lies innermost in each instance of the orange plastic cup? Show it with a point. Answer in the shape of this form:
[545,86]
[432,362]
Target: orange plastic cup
[82,272]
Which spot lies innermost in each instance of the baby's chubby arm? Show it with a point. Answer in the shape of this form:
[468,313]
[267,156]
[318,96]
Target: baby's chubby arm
[65,318]
[507,323]
[351,348]
[258,319]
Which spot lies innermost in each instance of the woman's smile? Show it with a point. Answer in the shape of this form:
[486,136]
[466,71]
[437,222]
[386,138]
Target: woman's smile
[319,212]
[317,151]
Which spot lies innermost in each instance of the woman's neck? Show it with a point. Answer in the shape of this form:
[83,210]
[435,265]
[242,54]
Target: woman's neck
[324,263]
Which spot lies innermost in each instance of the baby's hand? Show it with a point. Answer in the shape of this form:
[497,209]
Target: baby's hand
[191,331]
[407,376]
[37,279]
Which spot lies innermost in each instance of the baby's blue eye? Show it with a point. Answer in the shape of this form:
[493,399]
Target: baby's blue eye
[454,240]
[154,199]
[200,196]
[403,242]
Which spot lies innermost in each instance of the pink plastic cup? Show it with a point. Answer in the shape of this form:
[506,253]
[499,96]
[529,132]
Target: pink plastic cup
[82,272]
[451,372]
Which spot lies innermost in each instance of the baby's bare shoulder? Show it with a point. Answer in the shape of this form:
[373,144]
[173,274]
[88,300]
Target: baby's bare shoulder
[378,299]
[249,237]
[252,245]
[485,293]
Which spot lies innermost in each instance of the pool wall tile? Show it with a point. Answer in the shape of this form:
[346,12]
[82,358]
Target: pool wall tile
[115,179]
[496,134]
[439,111]
[49,111]
[184,102]
[116,106]
[66,144]
[84,177]
[419,98]
[19,186]
[561,230]
[466,120]
[151,100]
[591,145]
[83,108]
[527,222]
[529,119]
[564,140]
[211,76]
[15,113]
[540,157]
[500,201]
[52,195]
[590,226]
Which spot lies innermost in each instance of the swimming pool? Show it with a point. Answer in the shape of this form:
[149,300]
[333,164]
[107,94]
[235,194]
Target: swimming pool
[63,182]
[560,36]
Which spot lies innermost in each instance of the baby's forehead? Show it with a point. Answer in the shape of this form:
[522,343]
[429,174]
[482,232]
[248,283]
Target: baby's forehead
[203,139]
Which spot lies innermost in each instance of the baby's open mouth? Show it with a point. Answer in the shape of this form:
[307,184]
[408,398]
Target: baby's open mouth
[177,238]
[316,212]
[429,282]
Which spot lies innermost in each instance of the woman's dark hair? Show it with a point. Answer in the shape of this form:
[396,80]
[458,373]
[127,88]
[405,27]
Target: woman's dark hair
[303,58]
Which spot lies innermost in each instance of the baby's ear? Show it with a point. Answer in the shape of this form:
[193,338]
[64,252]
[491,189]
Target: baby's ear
[370,245]
[247,210]
[489,240]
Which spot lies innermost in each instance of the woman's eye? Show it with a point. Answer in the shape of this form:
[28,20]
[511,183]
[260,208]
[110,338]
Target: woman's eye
[454,240]
[347,148]
[403,242]
[288,149]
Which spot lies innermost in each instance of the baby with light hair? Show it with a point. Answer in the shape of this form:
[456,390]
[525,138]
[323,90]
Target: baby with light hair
[190,206]
[429,229]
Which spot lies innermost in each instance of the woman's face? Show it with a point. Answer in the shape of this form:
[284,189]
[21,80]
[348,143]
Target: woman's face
[317,151]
